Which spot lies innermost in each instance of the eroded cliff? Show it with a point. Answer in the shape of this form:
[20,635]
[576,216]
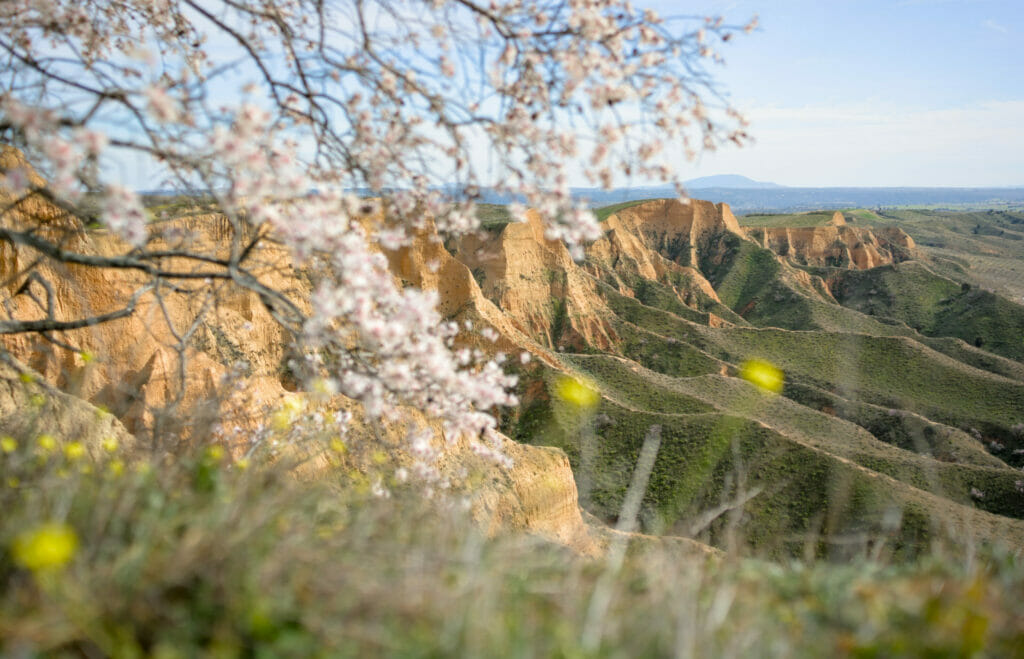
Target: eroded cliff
[837,244]
[205,360]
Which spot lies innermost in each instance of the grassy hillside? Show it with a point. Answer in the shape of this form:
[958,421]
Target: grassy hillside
[934,305]
[165,563]
[985,248]
[493,216]
[812,219]
[886,413]
[765,292]
[605,212]
[812,479]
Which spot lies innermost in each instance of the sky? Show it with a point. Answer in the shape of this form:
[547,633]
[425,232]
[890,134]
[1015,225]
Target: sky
[858,93]
[873,92]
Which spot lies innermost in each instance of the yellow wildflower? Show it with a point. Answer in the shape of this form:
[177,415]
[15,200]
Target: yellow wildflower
[580,393]
[292,404]
[74,451]
[109,444]
[8,444]
[46,443]
[763,375]
[46,547]
[289,409]
[280,420]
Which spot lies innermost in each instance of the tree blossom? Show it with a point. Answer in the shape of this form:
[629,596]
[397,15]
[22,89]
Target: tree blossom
[421,106]
[123,213]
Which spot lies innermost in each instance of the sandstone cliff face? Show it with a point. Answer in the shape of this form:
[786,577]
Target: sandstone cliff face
[547,296]
[536,494]
[622,251]
[30,407]
[428,265]
[170,359]
[683,233]
[837,244]
[537,286]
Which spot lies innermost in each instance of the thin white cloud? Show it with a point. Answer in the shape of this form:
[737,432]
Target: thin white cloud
[996,27]
[879,145]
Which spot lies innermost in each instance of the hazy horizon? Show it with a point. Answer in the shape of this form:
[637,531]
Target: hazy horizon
[879,93]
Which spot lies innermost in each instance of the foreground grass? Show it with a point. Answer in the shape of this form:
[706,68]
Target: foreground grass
[193,556]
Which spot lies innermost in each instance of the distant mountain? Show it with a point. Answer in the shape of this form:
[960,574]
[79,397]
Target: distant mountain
[729,181]
[787,200]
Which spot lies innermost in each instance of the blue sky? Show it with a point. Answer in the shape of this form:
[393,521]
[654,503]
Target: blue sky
[874,92]
[858,93]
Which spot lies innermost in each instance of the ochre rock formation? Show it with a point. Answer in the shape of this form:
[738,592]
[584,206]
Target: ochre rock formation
[624,250]
[686,233]
[552,299]
[30,407]
[426,264]
[168,360]
[208,360]
[837,244]
[536,284]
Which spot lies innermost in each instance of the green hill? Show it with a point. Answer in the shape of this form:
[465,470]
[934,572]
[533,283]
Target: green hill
[899,422]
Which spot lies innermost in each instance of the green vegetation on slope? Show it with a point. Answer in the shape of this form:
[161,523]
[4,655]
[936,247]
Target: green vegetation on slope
[900,428]
[767,293]
[493,217]
[985,248]
[787,497]
[191,558]
[934,305]
[891,371]
[742,274]
[812,219]
[913,463]
[985,320]
[605,212]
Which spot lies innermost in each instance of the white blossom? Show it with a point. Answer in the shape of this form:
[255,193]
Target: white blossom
[598,88]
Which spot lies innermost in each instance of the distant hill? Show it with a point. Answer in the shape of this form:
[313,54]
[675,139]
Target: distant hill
[746,196]
[791,200]
[729,181]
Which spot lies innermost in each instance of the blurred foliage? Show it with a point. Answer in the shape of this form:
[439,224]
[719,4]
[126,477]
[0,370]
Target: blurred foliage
[197,557]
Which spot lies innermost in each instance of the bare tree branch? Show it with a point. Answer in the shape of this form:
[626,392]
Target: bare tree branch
[54,325]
